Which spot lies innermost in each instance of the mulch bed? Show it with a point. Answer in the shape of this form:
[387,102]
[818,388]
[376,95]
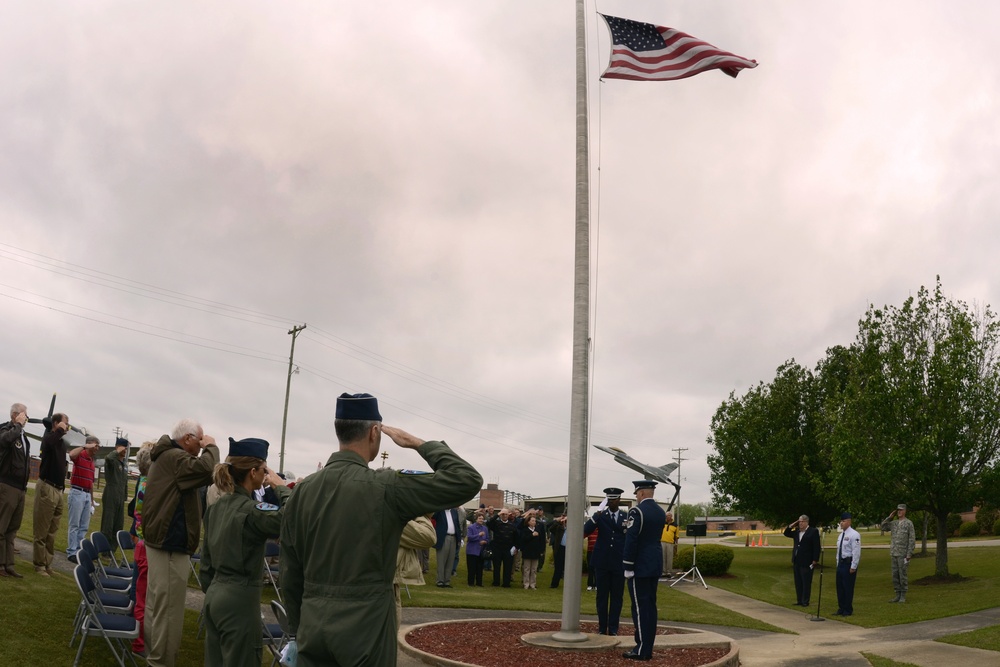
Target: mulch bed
[498,644]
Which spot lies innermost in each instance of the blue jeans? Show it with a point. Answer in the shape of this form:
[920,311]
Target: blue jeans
[80,509]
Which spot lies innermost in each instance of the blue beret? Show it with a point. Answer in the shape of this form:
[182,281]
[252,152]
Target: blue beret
[254,447]
[359,407]
[644,484]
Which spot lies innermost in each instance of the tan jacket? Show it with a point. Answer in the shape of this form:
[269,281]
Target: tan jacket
[417,534]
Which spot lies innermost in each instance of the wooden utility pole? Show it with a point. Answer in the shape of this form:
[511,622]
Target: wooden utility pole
[288,388]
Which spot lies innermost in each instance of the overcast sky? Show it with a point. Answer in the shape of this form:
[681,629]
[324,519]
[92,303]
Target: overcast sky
[181,183]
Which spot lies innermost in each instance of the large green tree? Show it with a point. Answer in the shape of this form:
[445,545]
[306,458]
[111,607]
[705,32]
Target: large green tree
[767,461]
[919,418]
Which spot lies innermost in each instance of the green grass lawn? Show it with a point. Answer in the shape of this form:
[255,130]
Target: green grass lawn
[26,532]
[766,574]
[984,638]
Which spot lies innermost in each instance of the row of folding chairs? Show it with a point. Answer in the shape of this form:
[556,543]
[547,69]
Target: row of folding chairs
[105,608]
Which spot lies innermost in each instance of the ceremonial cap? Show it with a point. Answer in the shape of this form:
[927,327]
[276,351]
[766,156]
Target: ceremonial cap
[359,407]
[644,484]
[254,447]
[845,515]
[612,493]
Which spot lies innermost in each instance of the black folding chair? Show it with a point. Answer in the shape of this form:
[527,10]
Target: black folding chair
[104,550]
[274,639]
[125,546]
[121,584]
[271,571]
[282,618]
[118,630]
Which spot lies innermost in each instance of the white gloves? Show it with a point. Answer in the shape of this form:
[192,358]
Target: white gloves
[603,506]
[629,574]
[513,550]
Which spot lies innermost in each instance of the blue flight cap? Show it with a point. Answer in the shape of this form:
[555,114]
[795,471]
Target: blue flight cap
[254,447]
[845,515]
[359,407]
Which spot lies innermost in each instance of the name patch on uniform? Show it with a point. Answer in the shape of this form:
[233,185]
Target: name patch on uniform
[414,472]
[267,507]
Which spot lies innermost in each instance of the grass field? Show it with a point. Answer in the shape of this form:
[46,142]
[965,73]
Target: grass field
[765,574]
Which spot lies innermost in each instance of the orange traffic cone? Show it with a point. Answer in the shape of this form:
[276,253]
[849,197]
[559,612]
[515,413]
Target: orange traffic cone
[765,542]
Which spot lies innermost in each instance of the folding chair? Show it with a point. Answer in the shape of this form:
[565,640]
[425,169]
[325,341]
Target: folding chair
[271,550]
[118,630]
[104,582]
[113,602]
[274,639]
[125,546]
[104,550]
[282,618]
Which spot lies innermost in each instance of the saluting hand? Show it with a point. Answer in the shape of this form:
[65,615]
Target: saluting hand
[402,438]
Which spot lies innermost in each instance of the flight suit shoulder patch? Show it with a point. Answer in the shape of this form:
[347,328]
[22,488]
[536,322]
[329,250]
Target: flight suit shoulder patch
[414,472]
[267,507]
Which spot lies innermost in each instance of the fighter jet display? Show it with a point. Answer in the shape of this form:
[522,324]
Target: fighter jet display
[659,474]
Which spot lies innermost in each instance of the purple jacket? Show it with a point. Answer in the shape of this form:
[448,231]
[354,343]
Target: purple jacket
[473,535]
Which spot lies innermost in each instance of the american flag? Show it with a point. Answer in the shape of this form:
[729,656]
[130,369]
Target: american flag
[647,52]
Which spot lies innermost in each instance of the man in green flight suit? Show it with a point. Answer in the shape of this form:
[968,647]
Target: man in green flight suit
[341,533]
[901,546]
[115,491]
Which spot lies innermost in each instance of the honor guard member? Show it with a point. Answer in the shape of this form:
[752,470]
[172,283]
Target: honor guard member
[643,560]
[901,546]
[341,533]
[606,561]
[236,530]
[848,558]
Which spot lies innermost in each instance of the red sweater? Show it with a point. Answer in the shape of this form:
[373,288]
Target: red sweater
[83,471]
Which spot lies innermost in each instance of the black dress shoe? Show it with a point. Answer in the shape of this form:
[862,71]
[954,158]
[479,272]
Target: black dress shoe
[11,572]
[632,655]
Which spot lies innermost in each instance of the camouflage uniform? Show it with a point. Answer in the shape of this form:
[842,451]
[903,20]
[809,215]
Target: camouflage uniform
[901,548]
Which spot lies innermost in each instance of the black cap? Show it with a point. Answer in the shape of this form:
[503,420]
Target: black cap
[359,407]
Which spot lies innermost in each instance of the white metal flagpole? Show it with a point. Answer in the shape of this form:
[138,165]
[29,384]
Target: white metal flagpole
[576,499]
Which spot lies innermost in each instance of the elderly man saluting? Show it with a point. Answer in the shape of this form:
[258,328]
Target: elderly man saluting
[341,533]
[901,546]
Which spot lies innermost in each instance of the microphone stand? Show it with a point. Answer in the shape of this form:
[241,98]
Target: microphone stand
[819,598]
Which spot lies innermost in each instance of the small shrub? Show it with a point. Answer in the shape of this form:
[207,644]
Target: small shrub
[953,523]
[969,529]
[713,559]
[986,518]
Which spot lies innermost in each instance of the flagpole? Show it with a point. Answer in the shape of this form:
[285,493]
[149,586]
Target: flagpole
[577,482]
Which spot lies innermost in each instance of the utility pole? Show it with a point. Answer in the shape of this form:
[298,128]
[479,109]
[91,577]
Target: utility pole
[384,456]
[288,388]
[678,458]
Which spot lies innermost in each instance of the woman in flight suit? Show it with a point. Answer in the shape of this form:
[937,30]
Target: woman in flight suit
[236,529]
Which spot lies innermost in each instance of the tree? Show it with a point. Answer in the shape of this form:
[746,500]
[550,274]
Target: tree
[767,461]
[920,414]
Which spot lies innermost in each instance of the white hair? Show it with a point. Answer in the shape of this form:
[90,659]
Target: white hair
[185,427]
[17,409]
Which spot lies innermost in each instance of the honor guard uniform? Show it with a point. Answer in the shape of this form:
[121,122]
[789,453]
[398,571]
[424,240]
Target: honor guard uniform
[643,560]
[237,528]
[606,561]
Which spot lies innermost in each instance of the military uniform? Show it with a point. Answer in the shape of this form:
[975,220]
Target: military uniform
[609,571]
[114,496]
[339,540]
[901,547]
[644,558]
[236,530]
